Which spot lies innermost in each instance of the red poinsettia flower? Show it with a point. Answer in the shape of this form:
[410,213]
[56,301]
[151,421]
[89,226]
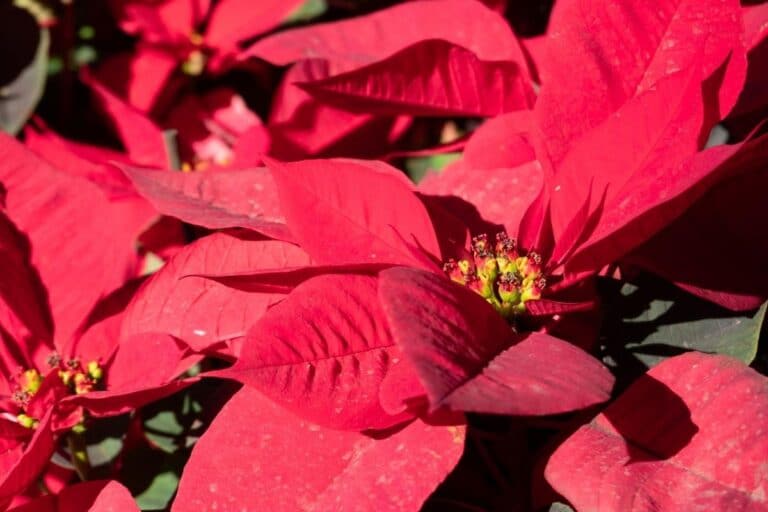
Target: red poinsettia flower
[92,375]
[191,36]
[60,360]
[354,219]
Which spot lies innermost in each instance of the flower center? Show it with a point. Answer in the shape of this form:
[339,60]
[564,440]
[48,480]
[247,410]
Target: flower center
[196,59]
[503,274]
[77,378]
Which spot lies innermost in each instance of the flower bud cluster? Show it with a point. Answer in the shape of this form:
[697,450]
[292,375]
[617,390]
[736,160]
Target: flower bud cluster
[77,378]
[500,272]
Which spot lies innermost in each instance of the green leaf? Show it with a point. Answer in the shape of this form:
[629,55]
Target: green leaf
[20,94]
[105,451]
[160,491]
[163,430]
[654,320]
[560,507]
[417,167]
[309,10]
[170,423]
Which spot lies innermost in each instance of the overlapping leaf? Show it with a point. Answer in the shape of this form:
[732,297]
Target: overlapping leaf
[202,312]
[82,243]
[432,77]
[692,432]
[606,67]
[323,353]
[469,358]
[466,23]
[223,199]
[348,211]
[257,454]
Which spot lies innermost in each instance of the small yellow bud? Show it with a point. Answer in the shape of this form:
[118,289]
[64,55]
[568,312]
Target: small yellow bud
[95,371]
[31,381]
[27,421]
[66,376]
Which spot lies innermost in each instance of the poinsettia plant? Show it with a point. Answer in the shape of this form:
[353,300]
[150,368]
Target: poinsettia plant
[383,255]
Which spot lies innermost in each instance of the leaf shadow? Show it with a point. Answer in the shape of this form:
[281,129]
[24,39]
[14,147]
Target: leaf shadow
[669,431]
[635,312]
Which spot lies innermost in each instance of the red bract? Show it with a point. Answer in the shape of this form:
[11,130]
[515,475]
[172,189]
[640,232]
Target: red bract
[78,256]
[733,211]
[95,496]
[243,198]
[207,315]
[248,458]
[589,70]
[302,126]
[451,81]
[462,22]
[692,432]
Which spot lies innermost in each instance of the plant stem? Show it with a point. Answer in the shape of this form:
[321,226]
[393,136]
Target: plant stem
[79,454]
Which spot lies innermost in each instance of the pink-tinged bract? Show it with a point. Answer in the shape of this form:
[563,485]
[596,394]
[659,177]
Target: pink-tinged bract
[257,455]
[691,434]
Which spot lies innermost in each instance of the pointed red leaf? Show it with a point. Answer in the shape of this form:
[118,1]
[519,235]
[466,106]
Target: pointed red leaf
[590,69]
[222,199]
[69,219]
[323,352]
[140,76]
[133,368]
[301,126]
[23,310]
[107,403]
[80,159]
[258,456]
[651,200]
[649,138]
[284,280]
[353,211]
[160,22]
[733,213]
[691,433]
[143,140]
[751,107]
[20,467]
[501,142]
[535,228]
[202,312]
[755,24]
[469,358]
[430,78]
[466,23]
